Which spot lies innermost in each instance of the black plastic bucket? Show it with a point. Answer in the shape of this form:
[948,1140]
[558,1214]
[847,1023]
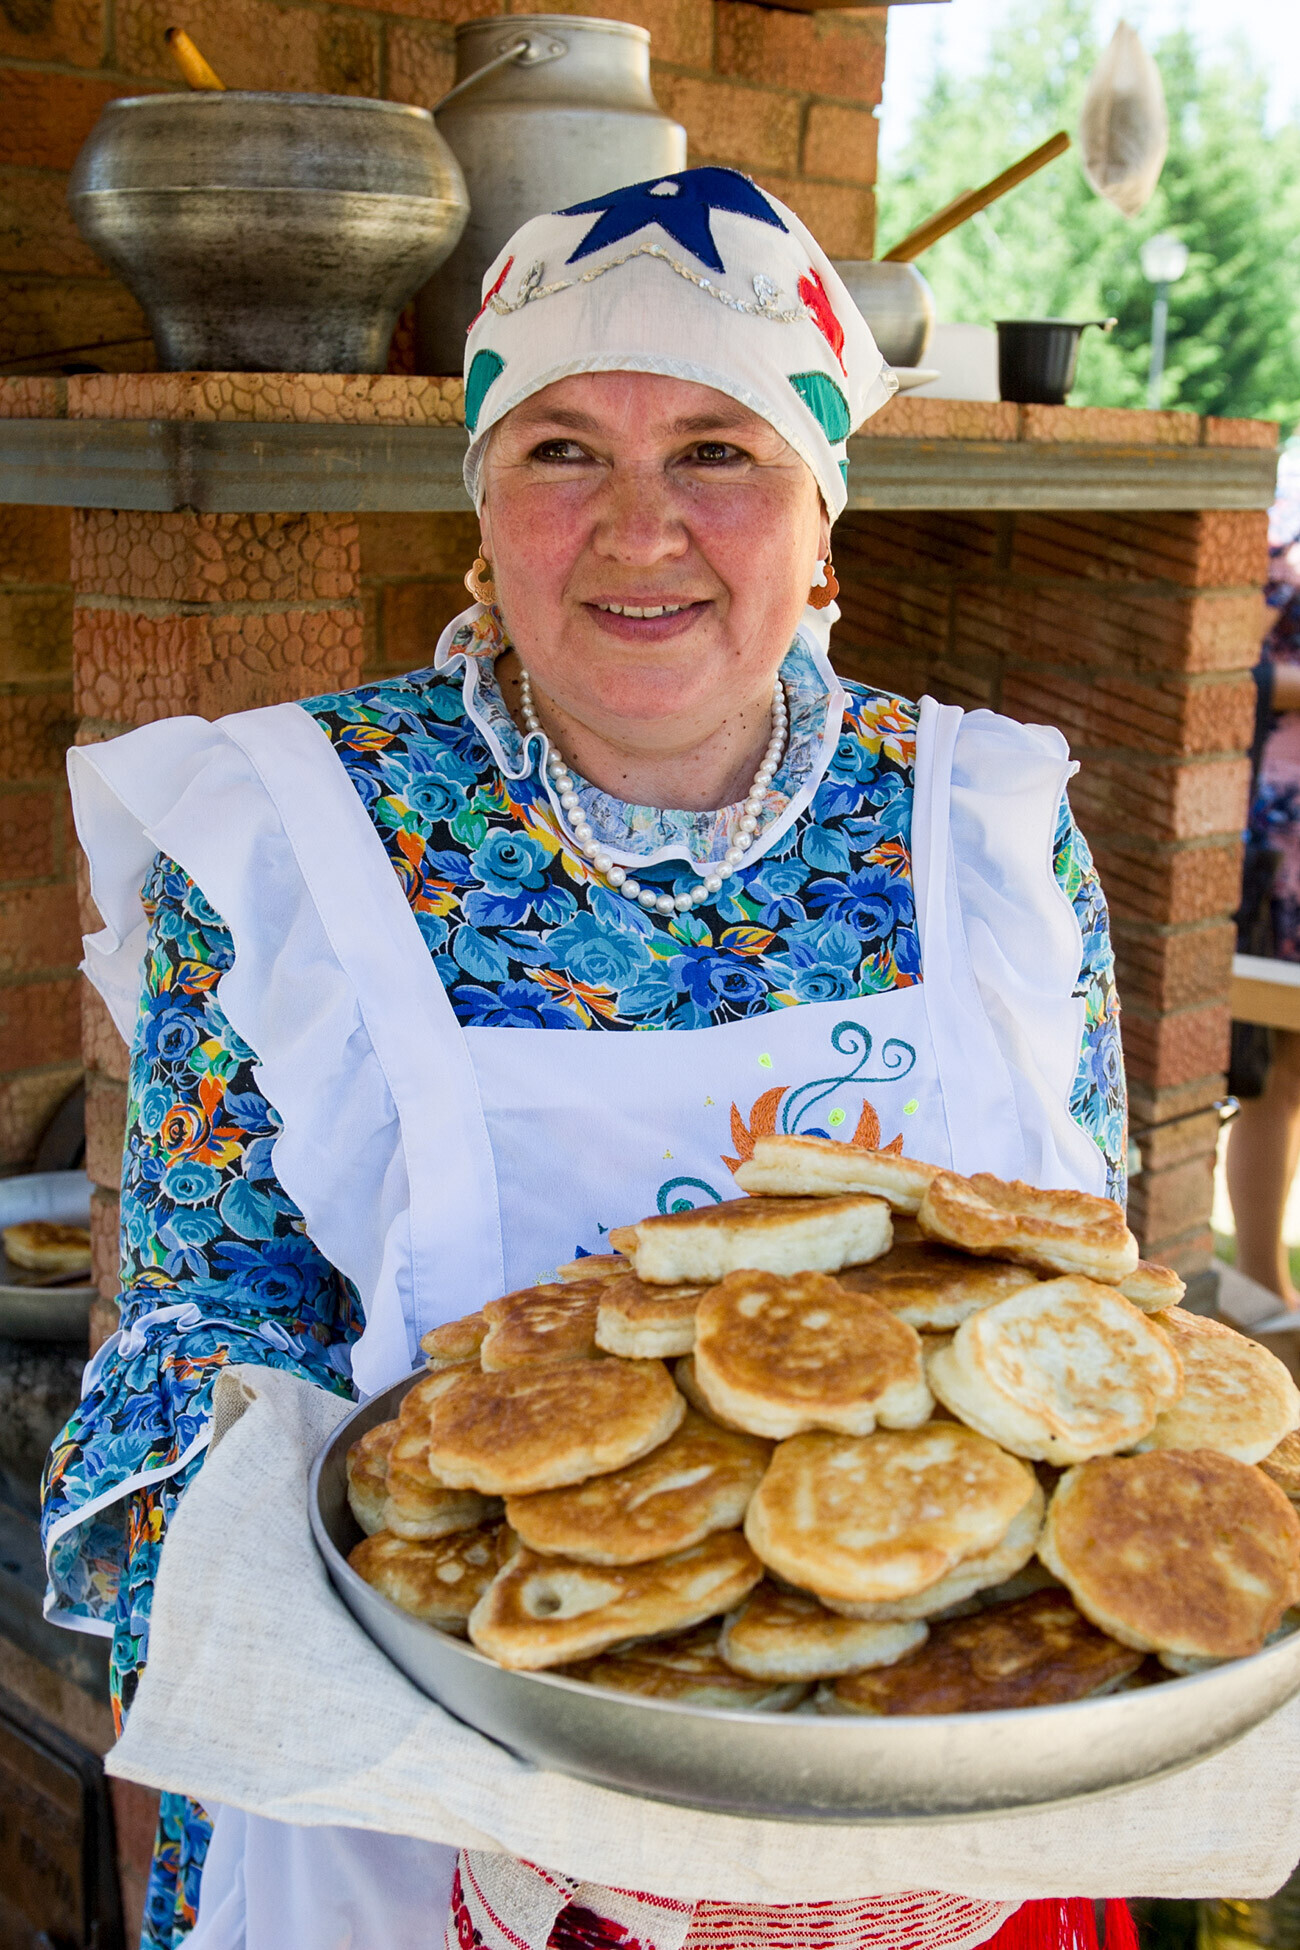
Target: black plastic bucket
[1037,357]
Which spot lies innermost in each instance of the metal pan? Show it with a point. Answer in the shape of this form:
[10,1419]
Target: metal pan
[800,1767]
[30,1312]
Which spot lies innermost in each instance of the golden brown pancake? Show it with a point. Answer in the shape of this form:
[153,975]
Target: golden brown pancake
[440,1582]
[455,1343]
[541,1323]
[1183,1551]
[549,1424]
[876,1519]
[772,1235]
[1281,1464]
[802,1167]
[686,1379]
[367,1471]
[45,1246]
[418,1504]
[647,1322]
[1061,1371]
[970,1581]
[697,1482]
[783,1354]
[1237,1397]
[549,1611]
[1035,1651]
[934,1288]
[593,1266]
[687,1670]
[788,1635]
[1052,1231]
[1152,1287]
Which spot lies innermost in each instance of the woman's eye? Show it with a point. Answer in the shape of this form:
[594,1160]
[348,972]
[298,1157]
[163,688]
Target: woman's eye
[559,450]
[714,453]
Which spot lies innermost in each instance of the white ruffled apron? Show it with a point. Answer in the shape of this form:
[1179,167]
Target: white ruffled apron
[437,1166]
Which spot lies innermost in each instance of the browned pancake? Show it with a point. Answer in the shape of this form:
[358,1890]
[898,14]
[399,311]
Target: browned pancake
[593,1266]
[686,1379]
[697,1482]
[440,1582]
[1182,1551]
[779,1634]
[1282,1464]
[1153,1287]
[647,1322]
[687,1670]
[1237,1397]
[418,1505]
[541,1323]
[1052,1231]
[933,1287]
[1035,1651]
[551,1423]
[775,1235]
[367,1471]
[780,1355]
[549,1611]
[456,1342]
[800,1167]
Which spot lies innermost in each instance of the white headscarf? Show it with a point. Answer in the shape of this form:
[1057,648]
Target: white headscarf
[700,276]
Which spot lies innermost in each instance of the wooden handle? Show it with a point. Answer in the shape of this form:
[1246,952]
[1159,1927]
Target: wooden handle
[973,201]
[191,63]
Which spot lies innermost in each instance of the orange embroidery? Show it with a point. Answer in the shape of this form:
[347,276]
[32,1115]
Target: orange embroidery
[762,1123]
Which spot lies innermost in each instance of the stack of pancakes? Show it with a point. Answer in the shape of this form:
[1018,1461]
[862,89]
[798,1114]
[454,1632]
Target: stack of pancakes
[873,1438]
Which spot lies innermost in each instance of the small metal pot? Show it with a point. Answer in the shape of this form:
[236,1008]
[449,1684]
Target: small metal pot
[897,304]
[548,109]
[267,232]
[1037,357]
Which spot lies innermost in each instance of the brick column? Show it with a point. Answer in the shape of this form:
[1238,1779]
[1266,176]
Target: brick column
[1135,634]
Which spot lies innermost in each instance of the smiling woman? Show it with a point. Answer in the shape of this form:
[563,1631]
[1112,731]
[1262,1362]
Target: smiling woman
[380,980]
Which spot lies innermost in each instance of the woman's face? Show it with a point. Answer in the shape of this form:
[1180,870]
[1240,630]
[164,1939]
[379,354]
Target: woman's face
[612,493]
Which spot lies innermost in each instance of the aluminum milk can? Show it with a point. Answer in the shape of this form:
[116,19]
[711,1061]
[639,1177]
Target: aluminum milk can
[548,109]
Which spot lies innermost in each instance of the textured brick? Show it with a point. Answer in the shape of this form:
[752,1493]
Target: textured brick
[421,63]
[52,30]
[1163,885]
[842,56]
[1166,717]
[1099,630]
[1173,971]
[37,234]
[36,729]
[38,398]
[29,834]
[255,44]
[1240,433]
[35,633]
[1220,548]
[1164,1052]
[105,1128]
[942,419]
[101,1045]
[47,318]
[417,545]
[840,143]
[38,931]
[1164,801]
[132,668]
[938,546]
[841,218]
[1176,1143]
[1168,1203]
[45,118]
[1113,426]
[349,399]
[748,128]
[27,1103]
[215,558]
[414,616]
[105,1257]
[38,1024]
[34,545]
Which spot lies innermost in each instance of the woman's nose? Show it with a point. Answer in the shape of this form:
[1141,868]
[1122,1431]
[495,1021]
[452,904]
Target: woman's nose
[638,522]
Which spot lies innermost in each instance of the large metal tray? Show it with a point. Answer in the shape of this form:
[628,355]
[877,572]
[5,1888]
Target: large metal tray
[44,1313]
[800,1767]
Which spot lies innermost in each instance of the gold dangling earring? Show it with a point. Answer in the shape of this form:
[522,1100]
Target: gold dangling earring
[478,581]
[823,593]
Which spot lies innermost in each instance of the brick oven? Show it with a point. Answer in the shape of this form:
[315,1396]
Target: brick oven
[199,543]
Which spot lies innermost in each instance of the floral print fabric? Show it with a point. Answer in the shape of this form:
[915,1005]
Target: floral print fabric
[217,1266]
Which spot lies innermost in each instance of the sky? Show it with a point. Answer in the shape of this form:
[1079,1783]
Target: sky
[956,32]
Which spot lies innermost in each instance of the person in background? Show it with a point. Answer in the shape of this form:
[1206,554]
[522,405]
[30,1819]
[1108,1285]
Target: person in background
[1264,1147]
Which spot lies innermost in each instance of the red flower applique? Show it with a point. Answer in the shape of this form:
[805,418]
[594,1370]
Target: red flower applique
[505,273]
[813,293]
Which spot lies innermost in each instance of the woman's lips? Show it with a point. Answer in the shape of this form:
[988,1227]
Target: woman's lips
[645,622]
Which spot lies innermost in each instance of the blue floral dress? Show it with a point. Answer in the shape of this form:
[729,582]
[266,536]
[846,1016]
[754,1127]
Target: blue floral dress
[216,1263]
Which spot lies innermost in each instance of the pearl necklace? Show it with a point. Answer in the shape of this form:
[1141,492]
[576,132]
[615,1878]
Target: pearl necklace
[562,779]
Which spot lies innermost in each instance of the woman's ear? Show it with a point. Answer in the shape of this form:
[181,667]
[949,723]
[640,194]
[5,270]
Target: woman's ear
[823,534]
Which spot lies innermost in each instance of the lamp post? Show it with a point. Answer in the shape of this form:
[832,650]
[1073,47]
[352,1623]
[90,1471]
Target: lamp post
[1164,259]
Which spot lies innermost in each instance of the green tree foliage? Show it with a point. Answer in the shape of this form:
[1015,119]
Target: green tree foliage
[1230,189]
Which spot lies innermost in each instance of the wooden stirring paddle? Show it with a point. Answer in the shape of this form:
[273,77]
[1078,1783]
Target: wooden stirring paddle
[191,63]
[971,202]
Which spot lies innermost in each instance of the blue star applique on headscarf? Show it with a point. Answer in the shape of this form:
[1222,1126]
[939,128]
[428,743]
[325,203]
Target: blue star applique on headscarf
[681,205]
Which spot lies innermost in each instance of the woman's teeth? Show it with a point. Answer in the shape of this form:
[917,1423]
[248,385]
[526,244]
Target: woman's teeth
[633,609]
